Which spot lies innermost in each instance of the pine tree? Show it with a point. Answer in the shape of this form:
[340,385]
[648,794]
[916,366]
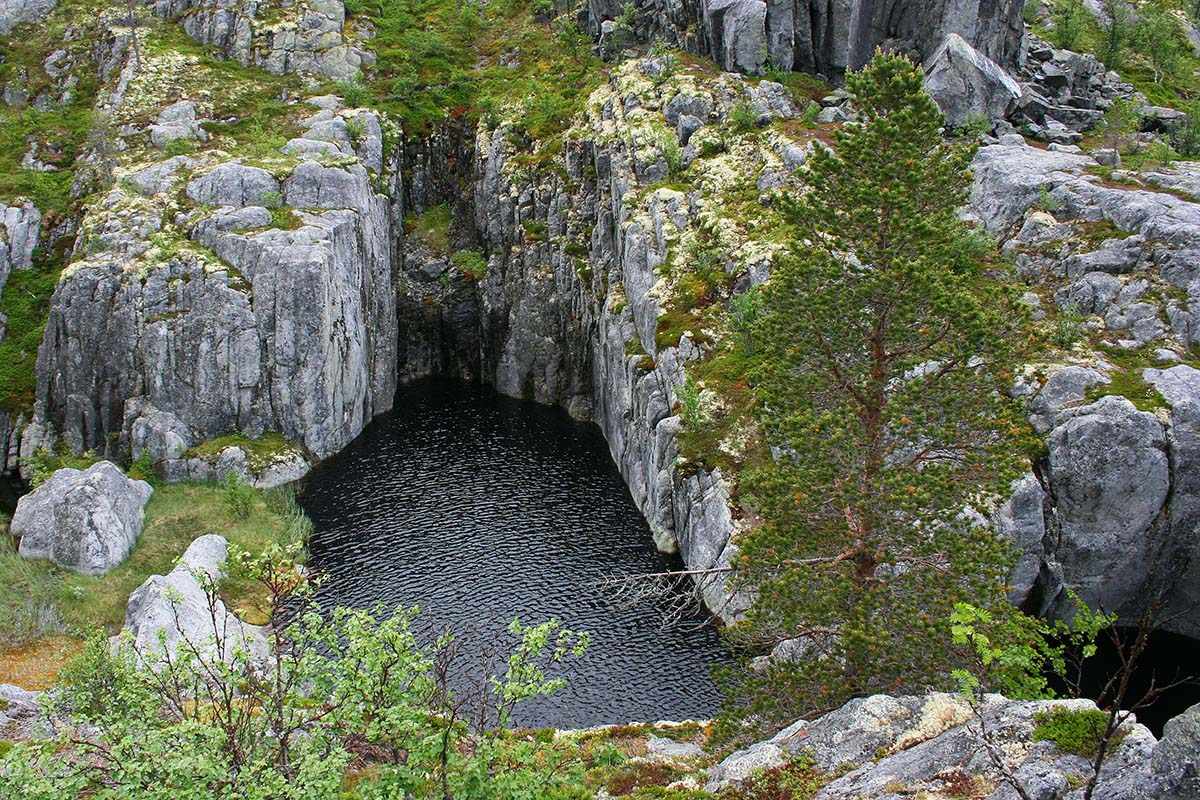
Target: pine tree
[887,350]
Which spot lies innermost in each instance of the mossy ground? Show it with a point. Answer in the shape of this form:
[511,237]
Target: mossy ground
[1075,731]
[45,609]
[260,452]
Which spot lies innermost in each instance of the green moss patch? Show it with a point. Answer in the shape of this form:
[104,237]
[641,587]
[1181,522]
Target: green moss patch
[260,453]
[431,229]
[1126,377]
[25,301]
[1075,731]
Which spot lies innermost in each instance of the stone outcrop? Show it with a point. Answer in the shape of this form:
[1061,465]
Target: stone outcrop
[23,714]
[817,35]
[967,85]
[1113,511]
[309,39]
[19,227]
[175,122]
[887,747]
[230,323]
[15,12]
[1065,93]
[176,609]
[1109,478]
[86,520]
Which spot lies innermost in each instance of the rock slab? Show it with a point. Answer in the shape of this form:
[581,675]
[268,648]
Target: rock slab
[86,520]
[171,610]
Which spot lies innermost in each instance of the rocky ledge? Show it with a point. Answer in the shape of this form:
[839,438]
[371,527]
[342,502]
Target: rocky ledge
[181,609]
[939,746]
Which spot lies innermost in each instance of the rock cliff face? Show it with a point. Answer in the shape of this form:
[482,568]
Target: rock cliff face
[216,292]
[263,303]
[579,326]
[307,37]
[1113,510]
[822,36]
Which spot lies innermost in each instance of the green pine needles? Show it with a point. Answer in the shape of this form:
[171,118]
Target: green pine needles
[886,352]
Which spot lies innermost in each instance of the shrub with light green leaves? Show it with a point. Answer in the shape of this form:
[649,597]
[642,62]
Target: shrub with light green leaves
[341,687]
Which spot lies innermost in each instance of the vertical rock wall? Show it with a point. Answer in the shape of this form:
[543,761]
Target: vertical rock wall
[822,36]
[175,326]
[557,328]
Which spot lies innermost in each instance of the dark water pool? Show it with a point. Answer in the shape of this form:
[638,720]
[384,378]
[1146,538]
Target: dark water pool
[479,509]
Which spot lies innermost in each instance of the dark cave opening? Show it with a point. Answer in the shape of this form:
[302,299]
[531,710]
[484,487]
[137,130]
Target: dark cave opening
[1168,658]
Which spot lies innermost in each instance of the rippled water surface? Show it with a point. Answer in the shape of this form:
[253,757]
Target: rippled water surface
[480,509]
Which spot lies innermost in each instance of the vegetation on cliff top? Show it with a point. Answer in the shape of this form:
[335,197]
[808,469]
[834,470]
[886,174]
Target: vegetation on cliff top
[439,60]
[1145,41]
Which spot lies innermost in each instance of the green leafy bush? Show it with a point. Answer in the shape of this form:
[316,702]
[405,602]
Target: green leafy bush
[745,309]
[743,118]
[346,688]
[353,92]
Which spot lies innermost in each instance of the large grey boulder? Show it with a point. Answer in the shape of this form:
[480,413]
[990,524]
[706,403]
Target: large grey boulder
[1179,563]
[176,609]
[24,714]
[86,521]
[14,12]
[967,85]
[1011,177]
[1066,388]
[1109,477]
[176,121]
[19,226]
[161,176]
